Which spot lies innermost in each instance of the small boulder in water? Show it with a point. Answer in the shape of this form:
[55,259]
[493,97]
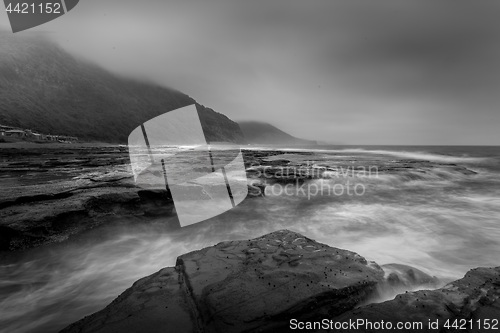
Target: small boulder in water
[405,276]
[475,296]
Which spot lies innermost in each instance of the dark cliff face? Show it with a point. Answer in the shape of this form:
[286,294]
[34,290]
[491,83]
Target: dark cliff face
[45,89]
[218,127]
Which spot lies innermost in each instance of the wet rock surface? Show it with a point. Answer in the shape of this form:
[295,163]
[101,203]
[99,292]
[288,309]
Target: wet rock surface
[295,167]
[251,285]
[474,297]
[157,303]
[259,285]
[51,192]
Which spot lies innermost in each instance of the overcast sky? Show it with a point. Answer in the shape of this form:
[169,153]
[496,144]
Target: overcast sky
[343,71]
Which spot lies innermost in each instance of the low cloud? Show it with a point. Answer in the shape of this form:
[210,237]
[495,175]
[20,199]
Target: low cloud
[357,71]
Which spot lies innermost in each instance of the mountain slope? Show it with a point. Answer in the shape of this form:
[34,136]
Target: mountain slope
[264,133]
[45,89]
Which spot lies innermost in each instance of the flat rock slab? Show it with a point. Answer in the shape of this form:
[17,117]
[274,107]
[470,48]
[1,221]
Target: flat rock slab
[260,284]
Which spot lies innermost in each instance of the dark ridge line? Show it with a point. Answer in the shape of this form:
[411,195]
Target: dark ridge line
[35,198]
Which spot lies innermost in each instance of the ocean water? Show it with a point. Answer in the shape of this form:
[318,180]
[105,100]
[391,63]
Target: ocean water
[434,208]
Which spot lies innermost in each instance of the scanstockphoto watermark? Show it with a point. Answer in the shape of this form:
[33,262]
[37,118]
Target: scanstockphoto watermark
[312,171]
[315,189]
[310,180]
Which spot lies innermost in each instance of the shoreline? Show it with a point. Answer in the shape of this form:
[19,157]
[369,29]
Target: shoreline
[84,204]
[35,145]
[263,284]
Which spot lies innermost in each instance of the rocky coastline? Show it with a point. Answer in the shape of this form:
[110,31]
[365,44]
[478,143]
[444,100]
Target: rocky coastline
[51,193]
[262,284]
[54,193]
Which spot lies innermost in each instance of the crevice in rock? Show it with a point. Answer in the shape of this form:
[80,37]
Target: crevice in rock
[187,289]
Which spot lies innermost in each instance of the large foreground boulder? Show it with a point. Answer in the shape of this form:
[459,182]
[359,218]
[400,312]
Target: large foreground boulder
[253,285]
[261,285]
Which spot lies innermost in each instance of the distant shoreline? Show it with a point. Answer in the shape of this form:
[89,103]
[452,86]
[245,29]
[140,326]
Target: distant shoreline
[31,144]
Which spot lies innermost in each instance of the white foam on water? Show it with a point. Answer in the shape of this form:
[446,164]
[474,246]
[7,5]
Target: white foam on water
[414,155]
